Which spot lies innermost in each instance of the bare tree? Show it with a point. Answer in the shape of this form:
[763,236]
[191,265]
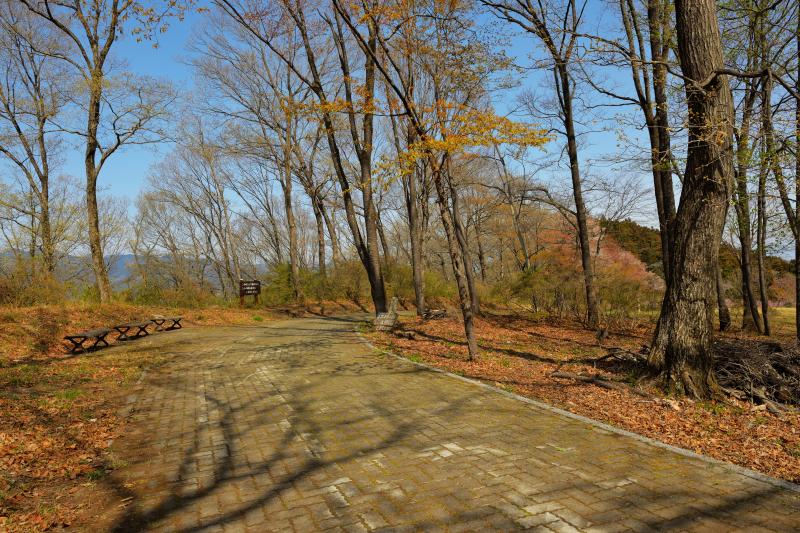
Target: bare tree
[681,354]
[117,110]
[31,98]
[558,28]
[269,25]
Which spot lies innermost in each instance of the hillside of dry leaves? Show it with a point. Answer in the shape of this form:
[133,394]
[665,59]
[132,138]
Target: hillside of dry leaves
[520,355]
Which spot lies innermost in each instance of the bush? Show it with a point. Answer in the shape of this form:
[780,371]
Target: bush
[186,294]
[26,283]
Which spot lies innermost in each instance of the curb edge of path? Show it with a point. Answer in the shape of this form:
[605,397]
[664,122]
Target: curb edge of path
[596,423]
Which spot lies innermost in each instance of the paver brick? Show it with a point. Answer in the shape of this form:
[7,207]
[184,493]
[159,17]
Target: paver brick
[298,426]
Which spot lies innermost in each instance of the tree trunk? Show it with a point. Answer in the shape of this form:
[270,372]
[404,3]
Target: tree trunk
[724,312]
[387,255]
[481,254]
[682,347]
[372,256]
[592,317]
[320,236]
[367,251]
[410,190]
[750,317]
[457,260]
[659,23]
[95,244]
[336,252]
[291,225]
[524,264]
[461,237]
[797,190]
[46,230]
[761,225]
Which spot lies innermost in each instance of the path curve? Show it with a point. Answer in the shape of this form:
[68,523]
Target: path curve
[299,426]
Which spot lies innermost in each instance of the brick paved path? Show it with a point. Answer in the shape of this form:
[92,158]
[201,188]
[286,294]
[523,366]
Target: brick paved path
[298,426]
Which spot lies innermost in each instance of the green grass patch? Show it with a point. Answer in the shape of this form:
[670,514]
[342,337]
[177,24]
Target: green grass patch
[68,394]
[20,376]
[715,408]
[95,475]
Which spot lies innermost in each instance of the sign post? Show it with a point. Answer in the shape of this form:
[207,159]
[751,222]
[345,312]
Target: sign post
[249,288]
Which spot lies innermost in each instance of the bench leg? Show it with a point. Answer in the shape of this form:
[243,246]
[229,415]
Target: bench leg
[76,346]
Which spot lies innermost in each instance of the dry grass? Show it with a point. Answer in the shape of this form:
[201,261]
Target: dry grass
[60,413]
[35,332]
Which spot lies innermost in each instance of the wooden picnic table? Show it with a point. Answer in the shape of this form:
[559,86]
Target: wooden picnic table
[140,330]
[159,321]
[78,339]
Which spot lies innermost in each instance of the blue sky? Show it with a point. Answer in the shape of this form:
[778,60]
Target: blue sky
[126,172]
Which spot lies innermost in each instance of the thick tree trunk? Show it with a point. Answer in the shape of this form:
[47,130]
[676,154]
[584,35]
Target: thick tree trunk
[797,190]
[682,347]
[372,261]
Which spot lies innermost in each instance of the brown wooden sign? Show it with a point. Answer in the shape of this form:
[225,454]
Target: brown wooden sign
[249,288]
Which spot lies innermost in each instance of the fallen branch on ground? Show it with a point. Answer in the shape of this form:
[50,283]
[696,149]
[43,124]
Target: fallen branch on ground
[600,382]
[618,354]
[434,314]
[765,373]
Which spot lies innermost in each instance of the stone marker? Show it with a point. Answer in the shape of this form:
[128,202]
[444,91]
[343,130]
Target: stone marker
[386,321]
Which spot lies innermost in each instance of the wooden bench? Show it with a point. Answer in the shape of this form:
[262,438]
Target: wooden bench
[140,330]
[159,321]
[78,339]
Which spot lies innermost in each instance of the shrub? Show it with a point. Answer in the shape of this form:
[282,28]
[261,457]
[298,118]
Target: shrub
[26,283]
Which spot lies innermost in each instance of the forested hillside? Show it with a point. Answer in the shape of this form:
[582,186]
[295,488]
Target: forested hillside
[644,242]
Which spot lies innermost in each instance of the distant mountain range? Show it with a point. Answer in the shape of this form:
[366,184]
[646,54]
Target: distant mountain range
[120,267]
